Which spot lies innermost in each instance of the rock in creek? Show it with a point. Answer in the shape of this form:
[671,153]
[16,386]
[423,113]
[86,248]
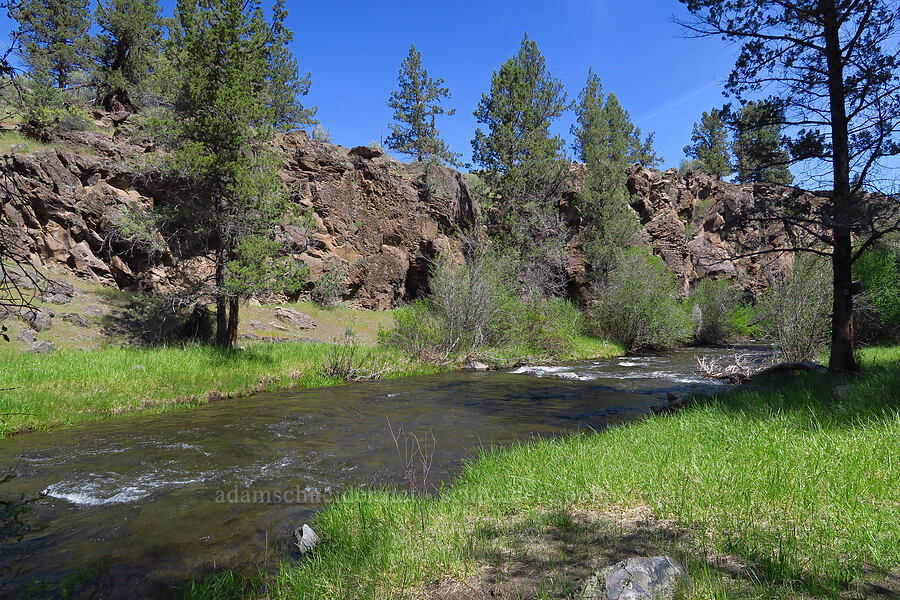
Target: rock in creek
[305,538]
[637,578]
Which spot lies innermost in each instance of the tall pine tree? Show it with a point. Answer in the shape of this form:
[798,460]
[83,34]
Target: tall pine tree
[238,89]
[605,140]
[523,165]
[129,46]
[759,151]
[54,37]
[709,144]
[416,105]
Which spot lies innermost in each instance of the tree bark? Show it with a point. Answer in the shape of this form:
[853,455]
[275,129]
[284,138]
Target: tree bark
[233,317]
[221,300]
[842,334]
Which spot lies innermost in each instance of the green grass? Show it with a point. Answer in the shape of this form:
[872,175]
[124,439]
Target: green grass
[25,145]
[72,386]
[794,479]
[587,347]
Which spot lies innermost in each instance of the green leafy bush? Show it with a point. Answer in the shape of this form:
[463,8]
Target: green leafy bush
[796,310]
[878,307]
[474,307]
[713,306]
[548,325]
[330,286]
[637,306]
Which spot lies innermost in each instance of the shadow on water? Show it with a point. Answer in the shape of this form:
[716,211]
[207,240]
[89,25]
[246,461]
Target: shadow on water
[161,499]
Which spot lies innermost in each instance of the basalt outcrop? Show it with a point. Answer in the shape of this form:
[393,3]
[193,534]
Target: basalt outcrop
[380,220]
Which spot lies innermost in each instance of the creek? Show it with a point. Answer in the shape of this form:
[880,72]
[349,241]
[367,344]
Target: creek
[160,499]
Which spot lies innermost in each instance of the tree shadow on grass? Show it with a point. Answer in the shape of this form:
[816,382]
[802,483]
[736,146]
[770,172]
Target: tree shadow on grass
[550,554]
[817,400]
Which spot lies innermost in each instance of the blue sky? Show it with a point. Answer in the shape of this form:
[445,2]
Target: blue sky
[353,51]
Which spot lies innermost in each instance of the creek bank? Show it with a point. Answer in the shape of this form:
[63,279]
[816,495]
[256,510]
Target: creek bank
[531,519]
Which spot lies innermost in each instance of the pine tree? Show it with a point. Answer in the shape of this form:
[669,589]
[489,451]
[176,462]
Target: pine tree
[224,121]
[709,144]
[129,46]
[834,67]
[760,154]
[54,37]
[416,105]
[518,154]
[605,141]
[523,165]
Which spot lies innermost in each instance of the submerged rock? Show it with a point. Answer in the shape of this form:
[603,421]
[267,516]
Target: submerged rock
[637,578]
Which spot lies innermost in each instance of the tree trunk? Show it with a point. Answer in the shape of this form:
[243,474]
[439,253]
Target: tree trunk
[233,312]
[842,335]
[221,301]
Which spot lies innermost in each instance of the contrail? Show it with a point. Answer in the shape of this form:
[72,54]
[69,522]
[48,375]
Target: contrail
[696,92]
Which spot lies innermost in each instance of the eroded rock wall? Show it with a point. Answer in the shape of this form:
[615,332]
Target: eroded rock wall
[383,220]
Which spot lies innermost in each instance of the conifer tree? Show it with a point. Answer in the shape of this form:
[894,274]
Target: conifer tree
[54,37]
[834,69]
[759,151]
[523,165]
[129,46]
[605,140]
[416,105]
[224,121]
[709,144]
[518,153]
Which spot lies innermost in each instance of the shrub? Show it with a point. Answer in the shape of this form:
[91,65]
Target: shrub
[330,286]
[637,306]
[155,320]
[878,307]
[417,332]
[796,310]
[474,307]
[472,300]
[549,325]
[713,307]
[347,360]
[320,134]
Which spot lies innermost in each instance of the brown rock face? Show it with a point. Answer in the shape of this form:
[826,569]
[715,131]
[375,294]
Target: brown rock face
[697,225]
[382,220]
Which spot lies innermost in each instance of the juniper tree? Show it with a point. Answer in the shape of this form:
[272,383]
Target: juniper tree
[416,105]
[605,140]
[237,90]
[522,164]
[129,47]
[54,37]
[709,144]
[834,66]
[759,151]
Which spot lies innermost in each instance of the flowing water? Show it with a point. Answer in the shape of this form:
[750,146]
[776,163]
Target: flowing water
[161,499]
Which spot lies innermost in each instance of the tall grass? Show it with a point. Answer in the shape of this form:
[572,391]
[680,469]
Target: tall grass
[798,479]
[72,386]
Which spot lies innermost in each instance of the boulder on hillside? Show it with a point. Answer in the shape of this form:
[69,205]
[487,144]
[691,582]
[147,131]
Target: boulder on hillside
[295,318]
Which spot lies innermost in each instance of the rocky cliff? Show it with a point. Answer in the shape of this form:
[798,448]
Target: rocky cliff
[381,219]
